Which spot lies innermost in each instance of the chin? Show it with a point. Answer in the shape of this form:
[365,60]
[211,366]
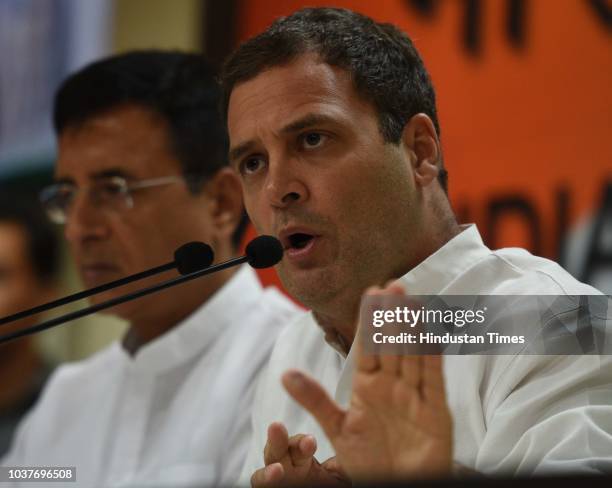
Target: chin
[312,287]
[122,310]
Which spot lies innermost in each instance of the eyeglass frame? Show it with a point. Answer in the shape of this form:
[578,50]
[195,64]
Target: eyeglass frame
[126,191]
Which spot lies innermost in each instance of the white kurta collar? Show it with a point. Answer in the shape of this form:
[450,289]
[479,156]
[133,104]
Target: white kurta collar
[199,330]
[439,269]
[429,277]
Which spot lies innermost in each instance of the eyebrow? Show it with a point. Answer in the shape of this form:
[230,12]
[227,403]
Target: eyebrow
[109,173]
[99,175]
[240,150]
[308,120]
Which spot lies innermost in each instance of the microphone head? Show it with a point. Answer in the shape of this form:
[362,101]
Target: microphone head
[264,251]
[192,257]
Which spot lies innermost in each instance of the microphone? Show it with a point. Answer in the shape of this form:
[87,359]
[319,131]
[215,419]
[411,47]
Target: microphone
[264,252]
[192,257]
[188,258]
[261,252]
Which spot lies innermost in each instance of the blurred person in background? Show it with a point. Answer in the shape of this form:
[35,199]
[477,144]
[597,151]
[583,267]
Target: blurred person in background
[29,262]
[142,170]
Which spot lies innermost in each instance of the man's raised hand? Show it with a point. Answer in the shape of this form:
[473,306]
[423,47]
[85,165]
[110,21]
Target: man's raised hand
[397,426]
[291,461]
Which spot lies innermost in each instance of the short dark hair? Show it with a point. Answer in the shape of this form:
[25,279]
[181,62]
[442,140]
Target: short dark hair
[43,248]
[180,87]
[385,67]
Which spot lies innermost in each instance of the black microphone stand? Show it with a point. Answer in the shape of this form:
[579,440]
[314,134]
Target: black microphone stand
[87,293]
[190,256]
[122,299]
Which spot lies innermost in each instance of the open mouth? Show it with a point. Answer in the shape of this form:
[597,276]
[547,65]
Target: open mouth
[299,240]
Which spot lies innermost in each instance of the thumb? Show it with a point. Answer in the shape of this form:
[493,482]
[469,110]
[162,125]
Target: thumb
[310,395]
[332,465]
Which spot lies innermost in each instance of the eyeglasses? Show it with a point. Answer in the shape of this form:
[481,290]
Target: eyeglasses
[112,193]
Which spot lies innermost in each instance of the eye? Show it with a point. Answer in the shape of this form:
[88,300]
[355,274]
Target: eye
[251,165]
[312,139]
[62,196]
[112,188]
[65,192]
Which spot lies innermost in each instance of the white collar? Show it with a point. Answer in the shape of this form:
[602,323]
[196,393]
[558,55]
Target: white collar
[439,269]
[202,328]
[429,277]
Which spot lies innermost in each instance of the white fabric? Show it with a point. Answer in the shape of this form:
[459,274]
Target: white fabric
[176,414]
[521,414]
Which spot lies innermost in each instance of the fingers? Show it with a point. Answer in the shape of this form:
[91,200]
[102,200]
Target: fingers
[433,380]
[283,453]
[364,361]
[310,395]
[369,362]
[277,445]
[394,288]
[271,475]
[333,467]
[412,371]
[390,364]
[301,449]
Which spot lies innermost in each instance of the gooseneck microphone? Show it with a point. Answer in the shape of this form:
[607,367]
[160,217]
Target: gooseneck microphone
[264,252]
[261,252]
[188,258]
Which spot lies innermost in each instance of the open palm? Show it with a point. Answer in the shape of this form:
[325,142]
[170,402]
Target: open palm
[397,426]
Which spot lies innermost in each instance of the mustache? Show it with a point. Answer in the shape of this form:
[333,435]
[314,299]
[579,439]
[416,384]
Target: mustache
[300,216]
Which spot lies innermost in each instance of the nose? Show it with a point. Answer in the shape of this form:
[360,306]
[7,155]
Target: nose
[285,185]
[84,222]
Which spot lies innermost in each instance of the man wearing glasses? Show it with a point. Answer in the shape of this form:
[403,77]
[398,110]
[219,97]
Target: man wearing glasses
[142,170]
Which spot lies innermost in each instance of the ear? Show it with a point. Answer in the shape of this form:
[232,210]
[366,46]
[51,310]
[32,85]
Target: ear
[225,191]
[420,137]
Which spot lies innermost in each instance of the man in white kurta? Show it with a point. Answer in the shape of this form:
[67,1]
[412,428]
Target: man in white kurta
[516,414]
[175,414]
[142,170]
[334,131]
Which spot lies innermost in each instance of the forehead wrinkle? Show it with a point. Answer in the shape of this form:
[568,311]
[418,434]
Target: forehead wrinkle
[316,110]
[320,114]
[315,87]
[318,80]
